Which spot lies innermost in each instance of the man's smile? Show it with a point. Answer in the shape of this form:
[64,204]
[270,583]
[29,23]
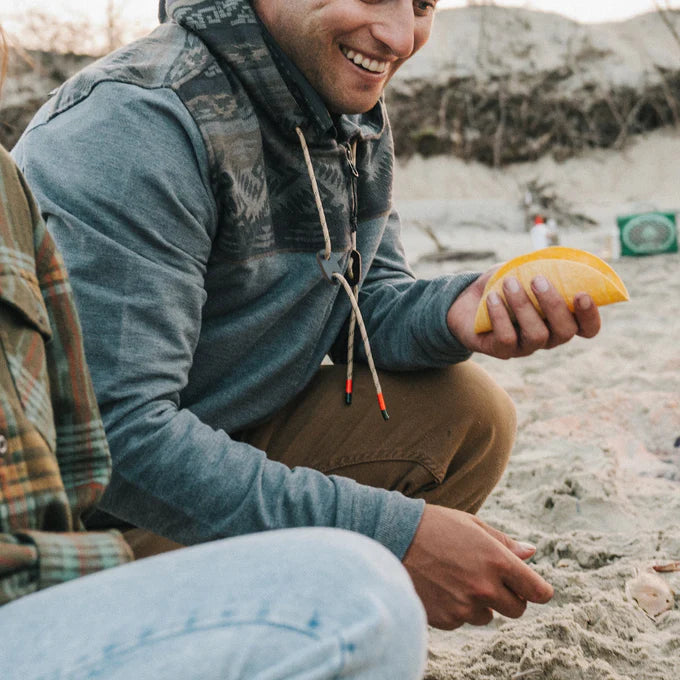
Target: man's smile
[368,64]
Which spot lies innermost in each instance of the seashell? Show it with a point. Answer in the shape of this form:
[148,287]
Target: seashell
[651,593]
[670,566]
[571,271]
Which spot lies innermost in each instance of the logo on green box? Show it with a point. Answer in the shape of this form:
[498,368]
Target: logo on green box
[648,233]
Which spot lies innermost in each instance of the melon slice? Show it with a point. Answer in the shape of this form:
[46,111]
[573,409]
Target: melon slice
[571,271]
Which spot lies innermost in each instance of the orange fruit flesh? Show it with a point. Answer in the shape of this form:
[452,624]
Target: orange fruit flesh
[571,271]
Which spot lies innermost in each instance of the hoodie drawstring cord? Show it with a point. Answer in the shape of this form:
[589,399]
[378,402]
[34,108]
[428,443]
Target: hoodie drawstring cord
[356,317]
[317,195]
[349,384]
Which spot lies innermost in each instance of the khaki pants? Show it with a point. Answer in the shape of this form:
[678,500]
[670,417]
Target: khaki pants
[448,439]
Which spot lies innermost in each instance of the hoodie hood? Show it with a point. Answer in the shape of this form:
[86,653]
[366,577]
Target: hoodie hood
[243,47]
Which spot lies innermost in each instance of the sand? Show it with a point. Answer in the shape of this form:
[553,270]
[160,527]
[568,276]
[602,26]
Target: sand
[594,479]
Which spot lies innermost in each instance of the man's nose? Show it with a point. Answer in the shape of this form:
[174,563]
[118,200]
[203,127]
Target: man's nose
[395,27]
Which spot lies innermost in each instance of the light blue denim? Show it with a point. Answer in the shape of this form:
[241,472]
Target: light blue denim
[297,604]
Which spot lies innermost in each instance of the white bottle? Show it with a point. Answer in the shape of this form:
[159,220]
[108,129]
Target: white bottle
[539,233]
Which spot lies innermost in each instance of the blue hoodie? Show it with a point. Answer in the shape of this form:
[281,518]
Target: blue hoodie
[172,176]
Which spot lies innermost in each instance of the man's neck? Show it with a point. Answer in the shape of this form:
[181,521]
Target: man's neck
[305,95]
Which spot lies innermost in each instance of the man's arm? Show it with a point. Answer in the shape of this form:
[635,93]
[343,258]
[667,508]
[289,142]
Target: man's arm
[416,323]
[122,180]
[406,317]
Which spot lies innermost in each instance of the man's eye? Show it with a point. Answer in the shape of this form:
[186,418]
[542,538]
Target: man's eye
[424,6]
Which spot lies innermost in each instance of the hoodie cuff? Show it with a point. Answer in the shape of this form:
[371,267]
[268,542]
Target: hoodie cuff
[398,523]
[443,346]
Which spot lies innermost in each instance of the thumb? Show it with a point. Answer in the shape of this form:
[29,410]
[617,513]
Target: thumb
[522,549]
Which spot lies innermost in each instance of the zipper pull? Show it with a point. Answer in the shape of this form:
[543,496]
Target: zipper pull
[351,160]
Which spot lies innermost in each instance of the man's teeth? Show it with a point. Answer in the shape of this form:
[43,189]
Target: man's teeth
[372,65]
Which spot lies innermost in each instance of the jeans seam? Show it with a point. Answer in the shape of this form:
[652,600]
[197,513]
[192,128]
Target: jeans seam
[119,651]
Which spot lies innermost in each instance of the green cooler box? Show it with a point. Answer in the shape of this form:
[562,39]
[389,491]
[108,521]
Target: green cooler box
[648,233]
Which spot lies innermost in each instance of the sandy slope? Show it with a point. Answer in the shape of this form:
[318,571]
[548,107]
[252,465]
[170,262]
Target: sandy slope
[501,40]
[595,477]
[602,183]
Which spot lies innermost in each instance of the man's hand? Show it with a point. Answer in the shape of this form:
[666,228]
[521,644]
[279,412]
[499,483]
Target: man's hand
[529,332]
[463,569]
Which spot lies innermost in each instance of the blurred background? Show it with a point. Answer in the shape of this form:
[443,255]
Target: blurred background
[97,26]
[576,101]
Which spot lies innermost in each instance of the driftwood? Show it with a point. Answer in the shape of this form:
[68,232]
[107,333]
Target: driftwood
[541,198]
[443,253]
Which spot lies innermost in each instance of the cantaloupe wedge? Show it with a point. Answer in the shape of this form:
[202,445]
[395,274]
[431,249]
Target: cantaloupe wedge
[571,271]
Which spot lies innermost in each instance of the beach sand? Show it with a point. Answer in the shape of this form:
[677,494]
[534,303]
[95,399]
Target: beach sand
[594,480]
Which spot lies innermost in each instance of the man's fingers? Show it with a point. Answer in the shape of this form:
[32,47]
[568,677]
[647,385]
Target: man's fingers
[561,322]
[522,550]
[509,604]
[503,338]
[533,332]
[464,569]
[554,325]
[481,617]
[526,584]
[522,581]
[587,315]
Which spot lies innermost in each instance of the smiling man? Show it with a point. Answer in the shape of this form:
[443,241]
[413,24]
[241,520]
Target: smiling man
[348,51]
[221,191]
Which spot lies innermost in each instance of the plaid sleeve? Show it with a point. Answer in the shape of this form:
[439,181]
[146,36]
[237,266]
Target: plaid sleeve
[65,556]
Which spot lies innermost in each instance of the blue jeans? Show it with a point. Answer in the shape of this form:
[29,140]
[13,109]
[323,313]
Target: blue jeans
[298,603]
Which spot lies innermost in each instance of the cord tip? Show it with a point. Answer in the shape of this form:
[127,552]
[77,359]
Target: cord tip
[348,391]
[383,408]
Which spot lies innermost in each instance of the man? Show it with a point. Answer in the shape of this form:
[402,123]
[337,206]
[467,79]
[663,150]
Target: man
[210,185]
[335,604]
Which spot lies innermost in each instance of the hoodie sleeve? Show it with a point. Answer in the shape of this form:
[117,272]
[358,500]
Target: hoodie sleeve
[107,172]
[406,317]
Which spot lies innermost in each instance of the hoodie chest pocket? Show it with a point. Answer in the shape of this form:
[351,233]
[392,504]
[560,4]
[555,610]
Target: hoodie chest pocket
[24,330]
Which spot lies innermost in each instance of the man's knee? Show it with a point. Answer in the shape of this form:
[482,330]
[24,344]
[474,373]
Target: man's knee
[477,423]
[391,624]
[483,410]
[495,415]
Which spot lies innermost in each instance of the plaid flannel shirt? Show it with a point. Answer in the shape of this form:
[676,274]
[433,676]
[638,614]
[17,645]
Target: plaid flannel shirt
[54,459]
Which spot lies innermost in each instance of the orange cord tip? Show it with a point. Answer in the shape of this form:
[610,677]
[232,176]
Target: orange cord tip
[348,392]
[383,409]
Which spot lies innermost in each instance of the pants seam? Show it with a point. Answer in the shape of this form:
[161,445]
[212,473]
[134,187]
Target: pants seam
[424,461]
[114,652]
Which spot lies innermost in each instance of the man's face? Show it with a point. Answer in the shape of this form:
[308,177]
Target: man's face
[348,49]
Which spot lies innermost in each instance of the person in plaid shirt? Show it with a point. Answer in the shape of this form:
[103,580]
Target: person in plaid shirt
[301,602]
[55,459]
